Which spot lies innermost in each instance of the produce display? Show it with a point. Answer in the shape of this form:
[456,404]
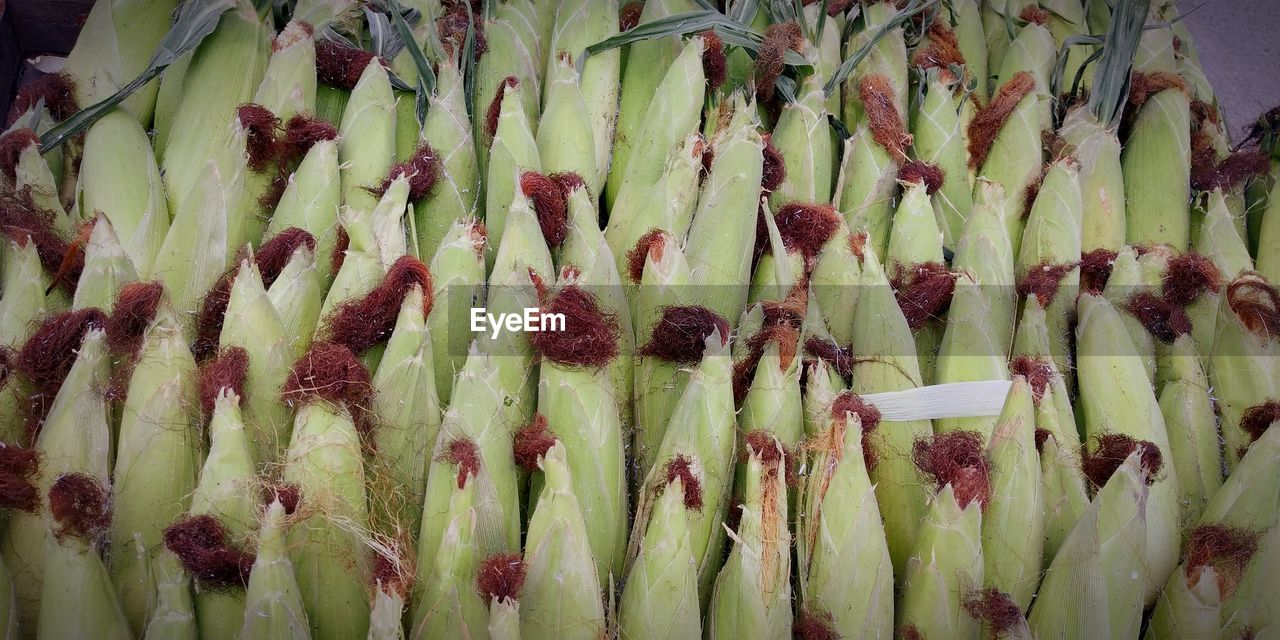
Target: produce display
[583,319]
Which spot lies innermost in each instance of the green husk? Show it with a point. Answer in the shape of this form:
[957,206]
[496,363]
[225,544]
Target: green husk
[967,18]
[273,608]
[868,182]
[75,576]
[252,322]
[310,202]
[579,24]
[158,460]
[663,282]
[1127,279]
[223,74]
[1064,493]
[1156,166]
[888,57]
[120,180]
[198,246]
[515,49]
[457,276]
[1187,408]
[1015,161]
[114,47]
[76,438]
[1051,238]
[367,138]
[719,246]
[1269,237]
[106,268]
[289,84]
[833,283]
[564,144]
[1013,526]
[914,240]
[327,545]
[297,295]
[8,604]
[772,402]
[227,491]
[639,96]
[804,138]
[939,134]
[946,563]
[408,413]
[1219,240]
[376,240]
[1093,588]
[664,576]
[175,614]
[24,303]
[513,151]
[1116,397]
[561,597]
[476,413]
[997,16]
[445,604]
[1242,366]
[980,321]
[884,360]
[845,570]
[1103,223]
[447,129]
[752,595]
[703,431]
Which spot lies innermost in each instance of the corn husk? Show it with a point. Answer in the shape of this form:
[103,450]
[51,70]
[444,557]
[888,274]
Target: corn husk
[704,432]
[120,180]
[1219,239]
[310,202]
[752,595]
[561,597]
[175,614]
[1093,588]
[447,129]
[289,84]
[946,563]
[845,570]
[8,604]
[1248,500]
[564,144]
[1269,237]
[883,352]
[198,246]
[888,57]
[23,304]
[376,240]
[915,240]
[1187,409]
[868,182]
[578,24]
[967,19]
[446,605]
[273,601]
[664,576]
[75,576]
[1015,159]
[513,150]
[1103,223]
[658,383]
[1052,237]
[1242,371]
[1116,396]
[457,275]
[1254,603]
[252,323]
[367,138]
[1155,162]
[158,459]
[719,245]
[106,268]
[223,73]
[833,284]
[76,438]
[114,46]
[476,413]
[939,134]
[1000,27]
[327,544]
[516,48]
[980,321]
[296,296]
[803,137]
[1014,523]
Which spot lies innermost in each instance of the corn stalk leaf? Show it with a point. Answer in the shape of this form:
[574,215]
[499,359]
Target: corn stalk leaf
[197,19]
[1110,89]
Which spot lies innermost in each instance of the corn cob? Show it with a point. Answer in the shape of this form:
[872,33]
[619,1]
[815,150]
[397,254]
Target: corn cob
[446,605]
[273,602]
[75,437]
[1241,364]
[330,390]
[947,556]
[175,614]
[664,576]
[456,194]
[752,595]
[840,528]
[564,596]
[579,23]
[1012,561]
[74,572]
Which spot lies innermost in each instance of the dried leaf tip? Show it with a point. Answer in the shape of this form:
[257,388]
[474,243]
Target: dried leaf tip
[501,577]
[80,506]
[1110,450]
[18,467]
[203,546]
[956,458]
[778,39]
[995,608]
[990,119]
[681,334]
[495,105]
[361,324]
[531,442]
[887,128]
[587,336]
[549,204]
[330,372]
[920,172]
[226,371]
[681,468]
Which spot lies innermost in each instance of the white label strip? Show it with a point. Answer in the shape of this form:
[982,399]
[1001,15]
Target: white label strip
[952,400]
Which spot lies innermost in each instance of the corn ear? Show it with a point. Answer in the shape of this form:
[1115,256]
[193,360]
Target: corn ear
[513,150]
[24,303]
[114,46]
[106,268]
[1103,224]
[457,275]
[1220,240]
[1157,192]
[447,129]
[175,614]
[1242,369]
[562,597]
[297,295]
[273,600]
[310,202]
[664,576]
[367,138]
[253,324]
[888,57]
[579,24]
[1187,408]
[564,144]
[1269,237]
[376,238]
[289,84]
[804,138]
[198,246]
[75,576]
[8,604]
[446,605]
[1013,526]
[939,134]
[119,178]
[946,563]
[833,283]
[1015,160]
[868,182]
[515,49]
[667,204]
[1052,238]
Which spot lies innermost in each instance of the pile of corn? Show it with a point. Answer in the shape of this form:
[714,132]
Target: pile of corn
[242,396]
